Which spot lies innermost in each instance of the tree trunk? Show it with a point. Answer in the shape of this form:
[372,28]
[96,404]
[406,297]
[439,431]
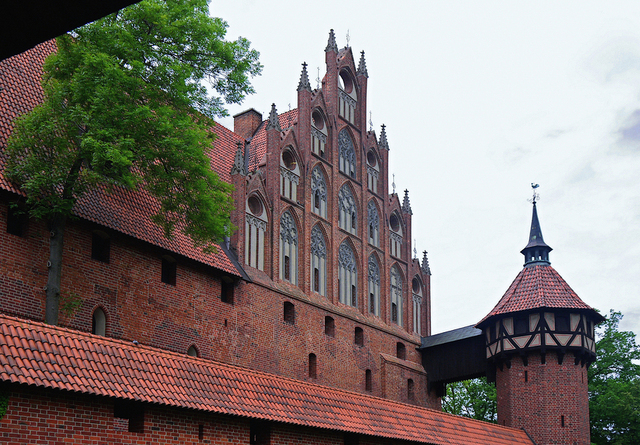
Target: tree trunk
[56,228]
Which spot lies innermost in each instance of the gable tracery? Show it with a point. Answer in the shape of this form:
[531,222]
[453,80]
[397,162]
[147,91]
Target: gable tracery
[318,192]
[348,212]
[255,227]
[374,286]
[396,295]
[288,248]
[318,261]
[373,221]
[347,153]
[347,275]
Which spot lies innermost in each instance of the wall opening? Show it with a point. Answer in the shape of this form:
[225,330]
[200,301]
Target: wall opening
[313,366]
[289,313]
[358,337]
[329,326]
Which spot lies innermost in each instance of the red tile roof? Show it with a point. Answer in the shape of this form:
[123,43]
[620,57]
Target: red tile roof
[259,141]
[37,354]
[537,287]
[123,210]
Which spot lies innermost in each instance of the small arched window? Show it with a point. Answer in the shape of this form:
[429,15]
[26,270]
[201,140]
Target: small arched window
[348,217]
[288,248]
[289,312]
[410,390]
[99,322]
[318,261]
[374,286]
[374,224]
[358,336]
[193,351]
[255,228]
[395,235]
[347,153]
[368,381]
[416,287]
[401,351]
[313,366]
[329,326]
[373,171]
[348,96]
[347,275]
[318,133]
[318,192]
[289,175]
[396,296]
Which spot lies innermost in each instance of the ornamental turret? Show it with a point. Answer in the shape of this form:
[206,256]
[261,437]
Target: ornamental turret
[539,341]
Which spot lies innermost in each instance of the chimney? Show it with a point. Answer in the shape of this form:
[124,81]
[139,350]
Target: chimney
[246,123]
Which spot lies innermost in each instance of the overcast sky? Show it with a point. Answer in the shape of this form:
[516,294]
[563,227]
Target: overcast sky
[481,99]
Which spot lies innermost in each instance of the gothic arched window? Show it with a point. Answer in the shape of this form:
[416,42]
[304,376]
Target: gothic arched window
[374,286]
[318,192]
[348,212]
[416,287]
[318,133]
[373,171]
[348,96]
[347,153]
[374,224]
[318,261]
[289,175]
[347,275]
[99,322]
[254,230]
[395,235]
[396,296]
[288,248]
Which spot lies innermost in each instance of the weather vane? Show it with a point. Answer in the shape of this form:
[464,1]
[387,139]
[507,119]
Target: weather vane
[348,38]
[393,184]
[536,197]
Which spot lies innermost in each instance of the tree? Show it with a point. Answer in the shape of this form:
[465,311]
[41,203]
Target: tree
[126,105]
[471,398]
[614,385]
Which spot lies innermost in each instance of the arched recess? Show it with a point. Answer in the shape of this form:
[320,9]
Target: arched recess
[347,274]
[193,351]
[373,223]
[319,132]
[348,160]
[319,257]
[416,293]
[396,281]
[319,191]
[256,222]
[396,231]
[289,173]
[348,96]
[348,209]
[99,321]
[289,247]
[373,170]
[374,280]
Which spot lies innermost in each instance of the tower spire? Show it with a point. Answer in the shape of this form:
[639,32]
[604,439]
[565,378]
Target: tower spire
[425,264]
[383,138]
[536,251]
[406,205]
[273,122]
[304,79]
[331,45]
[362,66]
[239,163]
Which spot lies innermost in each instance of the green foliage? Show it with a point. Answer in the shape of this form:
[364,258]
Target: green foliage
[472,398]
[69,303]
[4,403]
[126,105]
[614,386]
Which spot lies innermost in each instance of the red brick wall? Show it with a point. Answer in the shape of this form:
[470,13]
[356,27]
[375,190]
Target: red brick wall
[552,391]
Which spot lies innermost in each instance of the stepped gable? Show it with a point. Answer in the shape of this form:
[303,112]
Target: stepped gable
[126,211]
[40,355]
[536,287]
[259,141]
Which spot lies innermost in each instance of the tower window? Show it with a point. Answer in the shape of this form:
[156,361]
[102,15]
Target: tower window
[401,351]
[358,337]
[289,313]
[368,384]
[100,246]
[562,323]
[521,325]
[329,326]
[313,366]
[169,270]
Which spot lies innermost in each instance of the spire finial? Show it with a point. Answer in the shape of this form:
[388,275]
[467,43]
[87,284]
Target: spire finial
[274,122]
[393,184]
[318,80]
[348,38]
[415,249]
[406,206]
[425,264]
[331,45]
[536,197]
[537,251]
[239,163]
[304,79]
[370,122]
[383,138]
[362,66]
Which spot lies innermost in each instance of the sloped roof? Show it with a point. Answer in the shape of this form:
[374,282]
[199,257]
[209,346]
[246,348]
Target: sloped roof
[258,143]
[41,355]
[125,211]
[450,336]
[537,287]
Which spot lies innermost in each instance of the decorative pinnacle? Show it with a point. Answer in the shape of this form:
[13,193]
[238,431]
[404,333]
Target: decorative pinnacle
[382,143]
[425,264]
[239,165]
[406,206]
[304,79]
[362,66]
[274,122]
[331,45]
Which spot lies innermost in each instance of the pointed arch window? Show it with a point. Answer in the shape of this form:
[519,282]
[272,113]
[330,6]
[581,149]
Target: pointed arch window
[99,322]
[318,133]
[348,213]
[288,248]
[318,261]
[289,175]
[395,235]
[347,276]
[416,287]
[374,224]
[347,153]
[318,192]
[348,96]
[374,286]
[373,171]
[396,296]
[254,230]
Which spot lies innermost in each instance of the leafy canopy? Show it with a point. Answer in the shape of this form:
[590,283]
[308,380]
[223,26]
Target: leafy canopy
[475,398]
[126,104]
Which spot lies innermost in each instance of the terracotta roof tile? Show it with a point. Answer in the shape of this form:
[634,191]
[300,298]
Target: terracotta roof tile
[122,210]
[537,287]
[152,375]
[258,146]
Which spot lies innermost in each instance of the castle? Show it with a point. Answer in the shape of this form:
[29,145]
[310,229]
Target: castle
[311,323]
